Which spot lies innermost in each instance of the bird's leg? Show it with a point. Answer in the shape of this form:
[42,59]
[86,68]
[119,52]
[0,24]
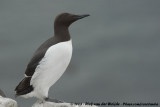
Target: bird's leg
[53,100]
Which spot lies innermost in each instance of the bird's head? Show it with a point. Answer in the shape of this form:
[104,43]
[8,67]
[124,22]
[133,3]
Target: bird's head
[66,19]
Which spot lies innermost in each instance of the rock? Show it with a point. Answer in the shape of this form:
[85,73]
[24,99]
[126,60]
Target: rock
[7,102]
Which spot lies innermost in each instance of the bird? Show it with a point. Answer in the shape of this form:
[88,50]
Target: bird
[49,61]
[2,93]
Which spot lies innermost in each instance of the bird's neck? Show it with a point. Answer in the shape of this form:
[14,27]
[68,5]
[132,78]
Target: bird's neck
[62,32]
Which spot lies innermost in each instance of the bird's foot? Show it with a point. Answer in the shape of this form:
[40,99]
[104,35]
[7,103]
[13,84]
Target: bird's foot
[53,100]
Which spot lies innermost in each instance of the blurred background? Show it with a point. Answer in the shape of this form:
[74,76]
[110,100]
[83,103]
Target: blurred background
[116,54]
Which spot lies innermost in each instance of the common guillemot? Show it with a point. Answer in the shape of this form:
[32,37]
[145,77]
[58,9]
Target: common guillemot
[2,93]
[49,61]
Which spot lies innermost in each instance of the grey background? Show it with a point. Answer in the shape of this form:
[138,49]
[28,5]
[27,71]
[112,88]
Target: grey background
[116,49]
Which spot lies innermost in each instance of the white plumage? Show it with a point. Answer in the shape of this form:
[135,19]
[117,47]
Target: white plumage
[50,69]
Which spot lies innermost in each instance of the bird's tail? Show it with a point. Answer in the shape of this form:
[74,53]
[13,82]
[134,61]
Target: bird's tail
[24,87]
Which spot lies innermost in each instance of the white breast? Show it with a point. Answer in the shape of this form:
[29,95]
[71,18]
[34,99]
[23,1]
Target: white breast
[51,67]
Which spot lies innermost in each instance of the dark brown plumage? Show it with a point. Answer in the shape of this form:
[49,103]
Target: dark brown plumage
[24,86]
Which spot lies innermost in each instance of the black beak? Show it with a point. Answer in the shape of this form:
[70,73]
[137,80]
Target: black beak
[81,16]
